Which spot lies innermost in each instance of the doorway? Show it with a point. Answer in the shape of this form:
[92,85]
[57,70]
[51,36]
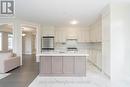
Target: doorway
[28,40]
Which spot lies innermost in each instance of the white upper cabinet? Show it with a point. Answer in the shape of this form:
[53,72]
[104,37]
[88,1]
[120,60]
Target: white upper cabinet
[72,33]
[81,34]
[95,32]
[95,56]
[91,35]
[48,31]
[60,36]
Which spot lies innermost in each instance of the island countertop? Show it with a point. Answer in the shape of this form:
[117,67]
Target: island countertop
[63,63]
[63,54]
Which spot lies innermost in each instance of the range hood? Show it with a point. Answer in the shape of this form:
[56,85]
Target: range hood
[71,44]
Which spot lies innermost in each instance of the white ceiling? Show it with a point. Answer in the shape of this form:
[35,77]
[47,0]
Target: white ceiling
[60,12]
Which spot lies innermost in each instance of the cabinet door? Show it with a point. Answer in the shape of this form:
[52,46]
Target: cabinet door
[60,36]
[80,65]
[45,65]
[90,54]
[57,65]
[96,34]
[83,36]
[99,59]
[68,65]
[92,35]
[48,31]
[87,36]
[95,56]
[100,35]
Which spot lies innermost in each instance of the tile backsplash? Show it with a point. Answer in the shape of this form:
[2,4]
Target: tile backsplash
[80,46]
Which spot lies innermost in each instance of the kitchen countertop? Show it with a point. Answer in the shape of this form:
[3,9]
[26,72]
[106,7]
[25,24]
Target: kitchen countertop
[63,54]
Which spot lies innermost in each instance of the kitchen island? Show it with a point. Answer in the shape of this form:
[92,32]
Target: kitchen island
[63,64]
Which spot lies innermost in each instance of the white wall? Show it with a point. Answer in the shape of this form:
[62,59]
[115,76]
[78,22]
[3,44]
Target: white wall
[106,41]
[17,40]
[120,44]
[38,41]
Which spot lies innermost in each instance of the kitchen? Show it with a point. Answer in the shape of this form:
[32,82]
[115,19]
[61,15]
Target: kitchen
[79,43]
[65,51]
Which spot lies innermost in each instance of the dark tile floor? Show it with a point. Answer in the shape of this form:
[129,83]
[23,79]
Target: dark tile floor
[22,76]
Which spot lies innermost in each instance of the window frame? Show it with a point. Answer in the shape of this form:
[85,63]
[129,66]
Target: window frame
[10,42]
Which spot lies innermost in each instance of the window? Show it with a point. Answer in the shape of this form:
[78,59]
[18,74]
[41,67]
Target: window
[10,41]
[0,41]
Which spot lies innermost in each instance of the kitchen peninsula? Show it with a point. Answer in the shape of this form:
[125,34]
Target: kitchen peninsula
[63,64]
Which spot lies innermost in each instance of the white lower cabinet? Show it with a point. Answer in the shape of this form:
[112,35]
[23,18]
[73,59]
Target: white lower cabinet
[57,65]
[95,56]
[99,59]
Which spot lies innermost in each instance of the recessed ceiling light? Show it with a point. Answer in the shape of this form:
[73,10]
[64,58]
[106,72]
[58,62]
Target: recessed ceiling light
[74,22]
[23,35]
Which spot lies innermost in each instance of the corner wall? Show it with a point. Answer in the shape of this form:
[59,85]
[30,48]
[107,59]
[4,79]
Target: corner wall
[106,59]
[120,44]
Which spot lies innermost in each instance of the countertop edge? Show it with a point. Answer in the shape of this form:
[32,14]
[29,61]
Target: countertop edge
[62,54]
